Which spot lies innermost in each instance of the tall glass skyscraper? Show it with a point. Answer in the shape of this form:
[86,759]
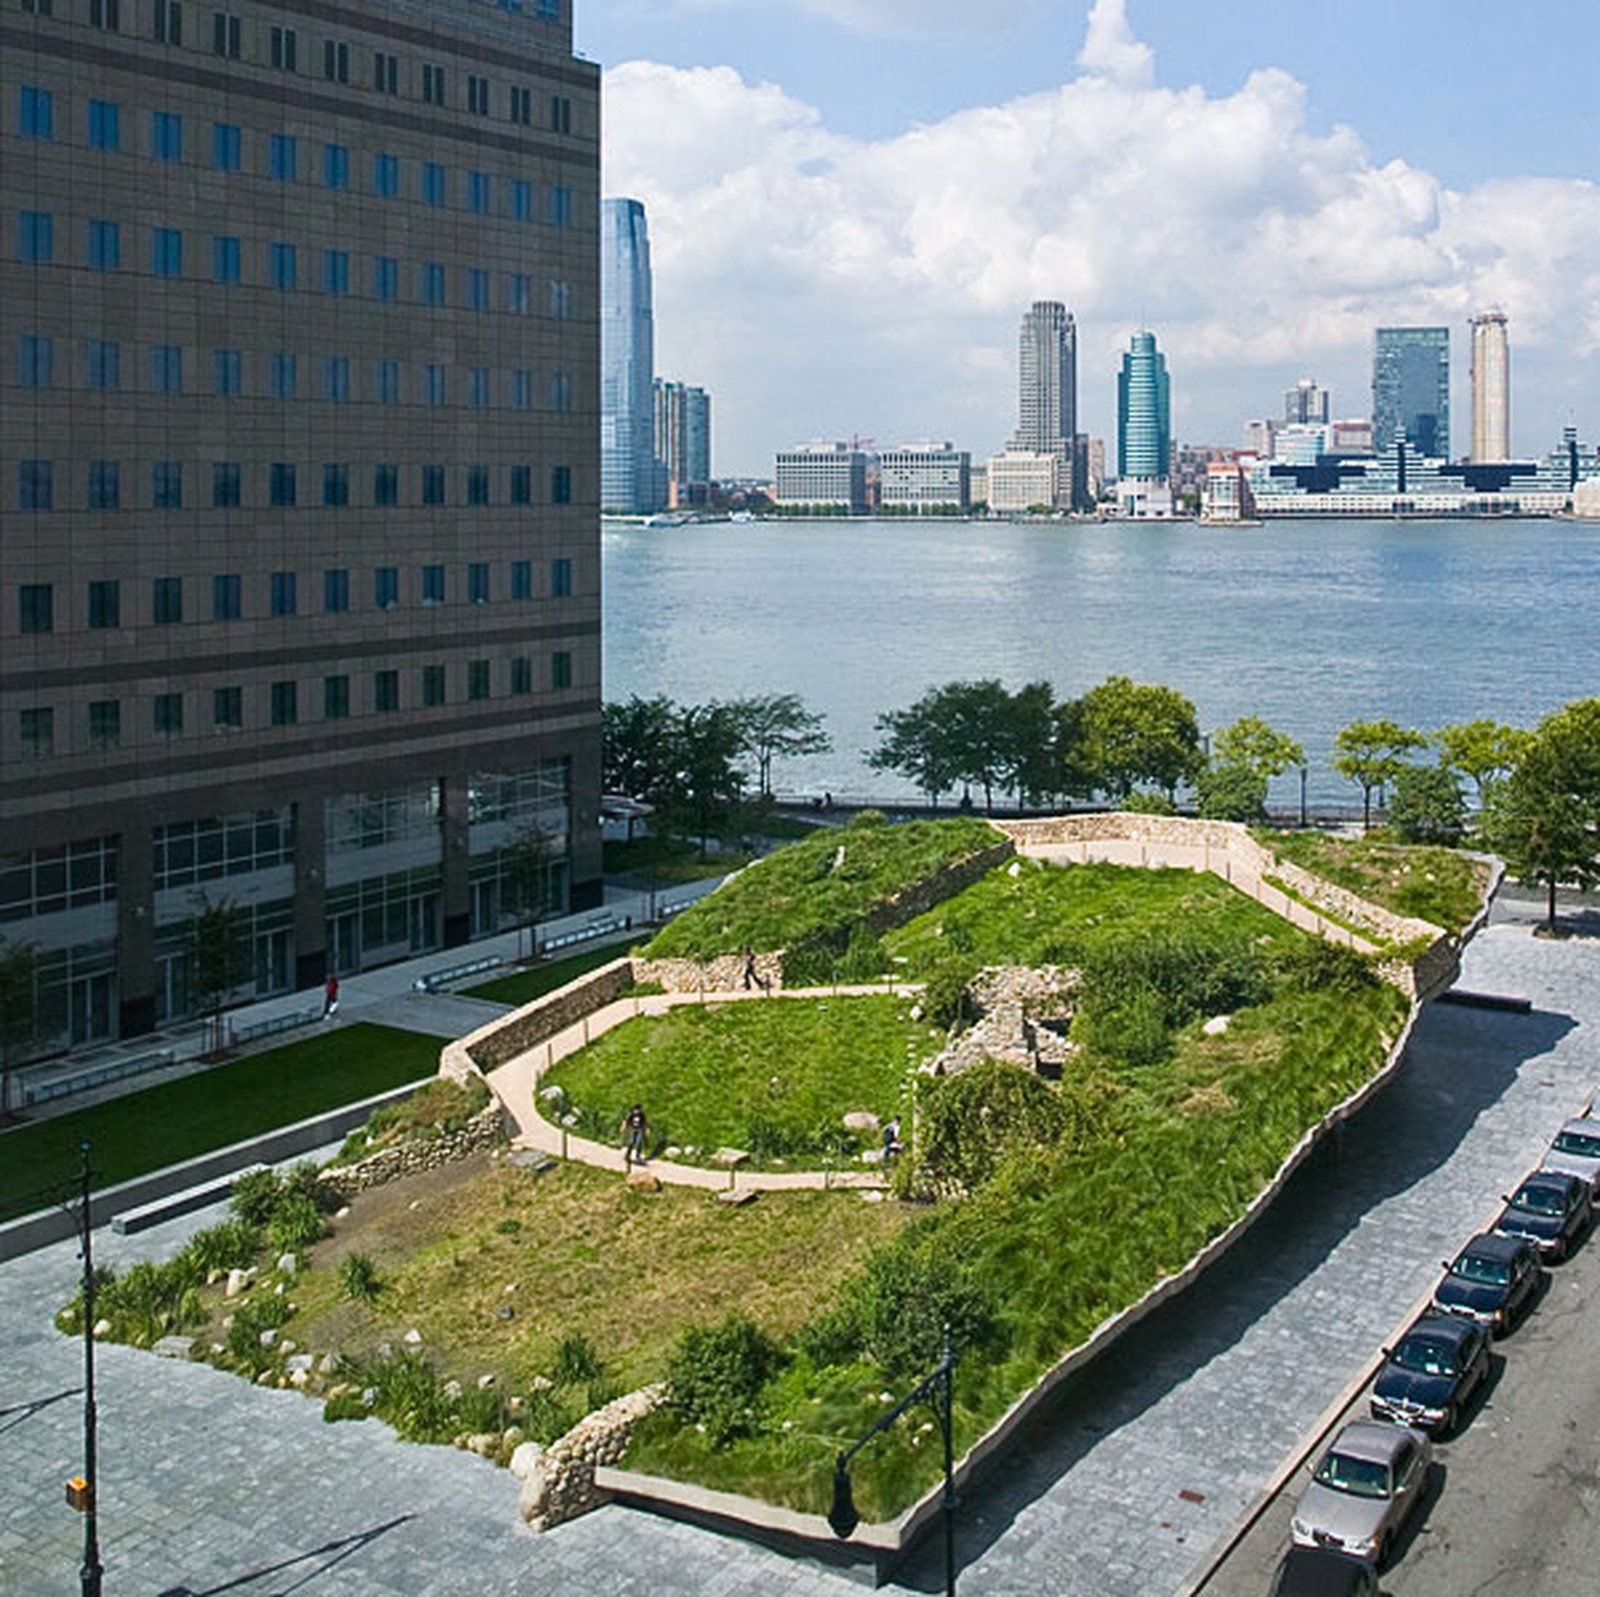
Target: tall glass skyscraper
[1411,389]
[1144,413]
[1047,373]
[630,482]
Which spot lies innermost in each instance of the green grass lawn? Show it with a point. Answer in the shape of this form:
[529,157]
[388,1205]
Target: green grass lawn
[144,1131]
[535,982]
[773,1077]
[1434,884]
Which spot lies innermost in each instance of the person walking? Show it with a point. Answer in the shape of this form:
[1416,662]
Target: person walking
[751,974]
[635,1134]
[330,998]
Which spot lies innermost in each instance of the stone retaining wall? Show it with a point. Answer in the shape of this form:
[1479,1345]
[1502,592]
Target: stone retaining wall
[725,974]
[560,1486]
[486,1129]
[494,1044]
[946,882]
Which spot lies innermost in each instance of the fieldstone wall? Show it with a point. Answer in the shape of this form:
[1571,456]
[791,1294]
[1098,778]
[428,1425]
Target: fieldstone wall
[1013,1002]
[486,1129]
[946,882]
[725,974]
[539,1021]
[560,1486]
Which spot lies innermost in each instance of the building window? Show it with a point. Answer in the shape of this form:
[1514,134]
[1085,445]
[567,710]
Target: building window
[167,716]
[336,591]
[336,379]
[36,113]
[561,485]
[336,166]
[477,288]
[432,686]
[522,485]
[520,383]
[560,670]
[166,252]
[105,723]
[386,176]
[433,183]
[227,707]
[560,114]
[432,384]
[385,72]
[166,136]
[386,587]
[385,691]
[106,15]
[477,679]
[36,238]
[166,22]
[284,265]
[522,675]
[335,698]
[224,484]
[35,361]
[105,125]
[227,146]
[478,387]
[385,276]
[35,485]
[521,579]
[478,582]
[561,578]
[477,94]
[433,583]
[225,35]
[36,607]
[39,8]
[227,596]
[335,271]
[385,485]
[558,206]
[519,293]
[104,364]
[105,246]
[335,484]
[105,605]
[560,300]
[480,193]
[432,283]
[285,703]
[283,157]
[166,485]
[38,732]
[335,61]
[561,392]
[521,104]
[227,373]
[166,601]
[281,483]
[282,375]
[281,593]
[521,200]
[432,485]
[284,50]
[386,382]
[433,86]
[166,369]
[105,485]
[224,259]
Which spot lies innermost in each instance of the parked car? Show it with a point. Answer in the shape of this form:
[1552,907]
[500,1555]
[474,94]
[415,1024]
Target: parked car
[1363,1490]
[1490,1281]
[1321,1572]
[1429,1375]
[1552,1209]
[1577,1149]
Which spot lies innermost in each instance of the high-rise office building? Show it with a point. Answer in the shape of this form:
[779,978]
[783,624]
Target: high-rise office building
[300,592]
[683,440]
[1305,404]
[1411,389]
[1047,393]
[1491,388]
[1144,413]
[632,481]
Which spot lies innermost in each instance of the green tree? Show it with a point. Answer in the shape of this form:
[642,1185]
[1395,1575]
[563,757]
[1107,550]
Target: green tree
[778,726]
[1226,791]
[527,861]
[1427,807]
[216,946]
[1027,736]
[918,742]
[706,779]
[1253,745]
[1132,732]
[19,1011]
[1482,750]
[1545,816]
[636,747]
[1371,754]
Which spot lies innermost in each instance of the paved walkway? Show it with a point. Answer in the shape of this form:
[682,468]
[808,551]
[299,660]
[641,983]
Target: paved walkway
[210,1484]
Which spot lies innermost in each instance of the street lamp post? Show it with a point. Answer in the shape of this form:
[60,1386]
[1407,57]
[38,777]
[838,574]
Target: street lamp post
[936,1388]
[1302,797]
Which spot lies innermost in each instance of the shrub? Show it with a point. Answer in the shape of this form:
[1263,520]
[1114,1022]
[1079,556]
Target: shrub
[906,1298]
[1130,1031]
[150,1301]
[945,997]
[344,1406]
[575,1363]
[1426,806]
[715,1376]
[967,1122]
[865,818]
[1320,966]
[1144,802]
[255,1196]
[863,958]
[265,1312]
[232,1245]
[296,1223]
[358,1278]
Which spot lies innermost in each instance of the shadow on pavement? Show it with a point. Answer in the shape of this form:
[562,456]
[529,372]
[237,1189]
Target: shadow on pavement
[324,1560]
[1458,1064]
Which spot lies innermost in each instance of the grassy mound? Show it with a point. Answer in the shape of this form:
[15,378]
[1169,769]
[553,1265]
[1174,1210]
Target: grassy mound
[1434,884]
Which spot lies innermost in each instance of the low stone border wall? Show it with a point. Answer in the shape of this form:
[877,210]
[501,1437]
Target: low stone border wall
[725,974]
[561,1484]
[486,1129]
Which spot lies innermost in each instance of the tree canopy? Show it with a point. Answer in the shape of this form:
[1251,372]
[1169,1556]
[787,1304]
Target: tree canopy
[778,726]
[1371,754]
[1483,751]
[1132,732]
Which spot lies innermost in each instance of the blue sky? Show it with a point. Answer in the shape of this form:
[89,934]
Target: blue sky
[1263,182]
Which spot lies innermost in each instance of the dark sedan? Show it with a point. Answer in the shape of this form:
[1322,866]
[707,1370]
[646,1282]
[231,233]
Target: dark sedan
[1431,1373]
[1321,1572]
[1490,1280]
[1551,1209]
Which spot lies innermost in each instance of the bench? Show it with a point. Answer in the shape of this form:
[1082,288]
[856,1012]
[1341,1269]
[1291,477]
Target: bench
[178,1203]
[60,1086]
[250,1030]
[582,934]
[435,979]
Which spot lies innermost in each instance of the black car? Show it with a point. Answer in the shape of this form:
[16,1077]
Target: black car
[1429,1375]
[1490,1281]
[1321,1572]
[1551,1209]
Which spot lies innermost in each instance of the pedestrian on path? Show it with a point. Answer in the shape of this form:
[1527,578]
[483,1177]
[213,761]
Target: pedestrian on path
[330,998]
[635,1133]
[751,976]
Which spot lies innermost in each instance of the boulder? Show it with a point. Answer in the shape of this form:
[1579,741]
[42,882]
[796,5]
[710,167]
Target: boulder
[412,1338]
[524,1458]
[644,1180]
[288,1264]
[861,1120]
[1217,1025]
[240,1281]
[174,1347]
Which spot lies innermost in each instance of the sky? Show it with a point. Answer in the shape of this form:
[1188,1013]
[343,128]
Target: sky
[852,202]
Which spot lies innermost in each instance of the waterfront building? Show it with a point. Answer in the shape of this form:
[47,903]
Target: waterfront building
[1047,391]
[1352,436]
[1491,388]
[1301,443]
[1096,456]
[1190,465]
[300,591]
[632,481]
[925,477]
[1144,428]
[978,486]
[683,441]
[1411,389]
[1305,404]
[1025,479]
[821,476]
[1259,436]
[1226,494]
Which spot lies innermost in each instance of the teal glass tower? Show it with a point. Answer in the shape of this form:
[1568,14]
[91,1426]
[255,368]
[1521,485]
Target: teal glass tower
[1411,389]
[629,481]
[1144,412]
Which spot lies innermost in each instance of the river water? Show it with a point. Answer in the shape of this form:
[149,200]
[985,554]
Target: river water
[1310,624]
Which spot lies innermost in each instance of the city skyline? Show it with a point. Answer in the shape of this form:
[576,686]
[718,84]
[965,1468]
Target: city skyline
[1290,230]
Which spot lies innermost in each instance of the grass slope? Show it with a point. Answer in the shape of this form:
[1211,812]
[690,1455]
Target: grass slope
[1433,884]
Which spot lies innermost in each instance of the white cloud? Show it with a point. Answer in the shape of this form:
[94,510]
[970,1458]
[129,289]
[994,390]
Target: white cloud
[821,285]
[903,18]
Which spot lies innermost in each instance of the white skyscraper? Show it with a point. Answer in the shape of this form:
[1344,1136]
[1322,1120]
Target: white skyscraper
[1047,390]
[1491,388]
